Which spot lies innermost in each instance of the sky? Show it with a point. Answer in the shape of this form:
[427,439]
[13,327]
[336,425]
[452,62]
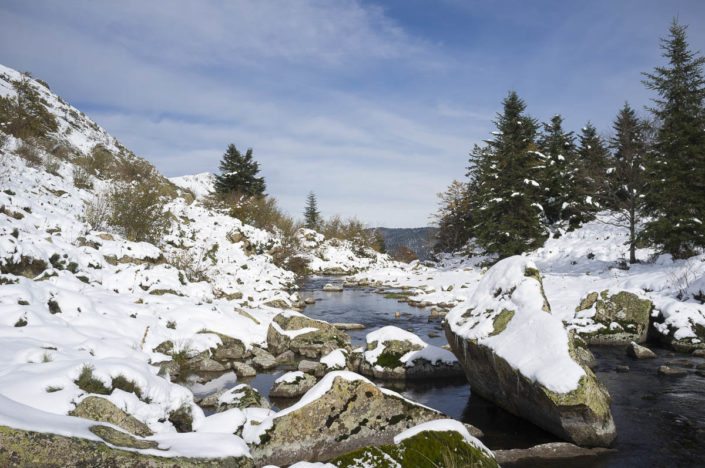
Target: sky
[373,105]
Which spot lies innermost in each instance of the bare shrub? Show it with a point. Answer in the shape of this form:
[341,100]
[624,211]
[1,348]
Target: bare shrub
[351,229]
[30,153]
[97,213]
[52,165]
[191,263]
[81,178]
[137,210]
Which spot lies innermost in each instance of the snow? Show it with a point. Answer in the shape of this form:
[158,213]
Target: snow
[200,184]
[290,377]
[444,425]
[389,333]
[225,422]
[336,359]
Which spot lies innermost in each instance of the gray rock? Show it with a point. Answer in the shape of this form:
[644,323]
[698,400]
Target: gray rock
[102,410]
[208,365]
[211,401]
[314,368]
[581,416]
[229,349]
[243,370]
[263,360]
[554,451]
[313,344]
[294,389]
[350,415]
[309,300]
[680,363]
[665,370]
[332,288]
[348,326]
[286,356]
[698,352]
[241,396]
[639,352]
[630,312]
[622,368]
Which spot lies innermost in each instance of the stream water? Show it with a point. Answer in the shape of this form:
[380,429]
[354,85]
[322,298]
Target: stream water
[660,420]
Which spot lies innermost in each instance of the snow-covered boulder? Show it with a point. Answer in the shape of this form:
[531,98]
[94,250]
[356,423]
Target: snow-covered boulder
[343,412]
[518,355]
[393,353]
[292,385]
[444,442]
[619,318]
[241,396]
[304,336]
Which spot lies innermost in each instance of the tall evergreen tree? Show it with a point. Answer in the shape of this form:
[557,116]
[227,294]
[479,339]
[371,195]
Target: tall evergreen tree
[238,173]
[627,182]
[593,159]
[378,242]
[506,209]
[558,147]
[676,167]
[312,217]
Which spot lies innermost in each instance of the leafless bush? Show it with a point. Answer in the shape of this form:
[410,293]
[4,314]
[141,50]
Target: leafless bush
[96,212]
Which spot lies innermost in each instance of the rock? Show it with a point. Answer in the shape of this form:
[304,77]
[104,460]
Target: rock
[639,352]
[292,385]
[211,401]
[332,288]
[680,363]
[554,451]
[622,368]
[241,396]
[165,347]
[286,356]
[229,349]
[624,315]
[665,370]
[336,360]
[583,353]
[182,419]
[29,448]
[348,326]
[699,352]
[309,300]
[443,443]
[304,336]
[170,368]
[395,354]
[102,410]
[208,365]
[278,304]
[541,380]
[312,367]
[263,360]
[243,370]
[343,412]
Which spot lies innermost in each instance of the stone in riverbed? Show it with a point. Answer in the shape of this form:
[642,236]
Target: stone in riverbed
[314,368]
[343,412]
[699,352]
[639,352]
[243,370]
[304,336]
[332,288]
[286,356]
[622,368]
[393,353]
[241,396]
[665,370]
[624,316]
[263,360]
[518,355]
[292,385]
[551,452]
[102,410]
[309,300]
[348,326]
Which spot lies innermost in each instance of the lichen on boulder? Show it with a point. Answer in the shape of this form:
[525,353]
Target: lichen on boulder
[241,396]
[99,409]
[292,385]
[396,354]
[304,336]
[619,318]
[530,367]
[343,412]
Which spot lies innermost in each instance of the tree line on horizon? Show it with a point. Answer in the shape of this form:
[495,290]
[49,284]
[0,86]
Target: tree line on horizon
[530,181]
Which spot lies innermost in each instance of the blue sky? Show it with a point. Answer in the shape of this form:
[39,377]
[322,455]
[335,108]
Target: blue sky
[373,105]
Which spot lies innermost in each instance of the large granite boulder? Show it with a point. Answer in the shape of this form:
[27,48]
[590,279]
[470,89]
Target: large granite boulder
[518,355]
[393,353]
[343,412]
[304,336]
[618,318]
[444,442]
[99,409]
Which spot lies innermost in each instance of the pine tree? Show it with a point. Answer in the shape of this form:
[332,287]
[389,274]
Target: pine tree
[379,244]
[238,173]
[627,182]
[312,217]
[453,218]
[506,209]
[592,160]
[558,148]
[676,167]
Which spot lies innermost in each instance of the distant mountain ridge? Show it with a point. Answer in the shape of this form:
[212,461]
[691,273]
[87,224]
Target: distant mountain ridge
[417,239]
